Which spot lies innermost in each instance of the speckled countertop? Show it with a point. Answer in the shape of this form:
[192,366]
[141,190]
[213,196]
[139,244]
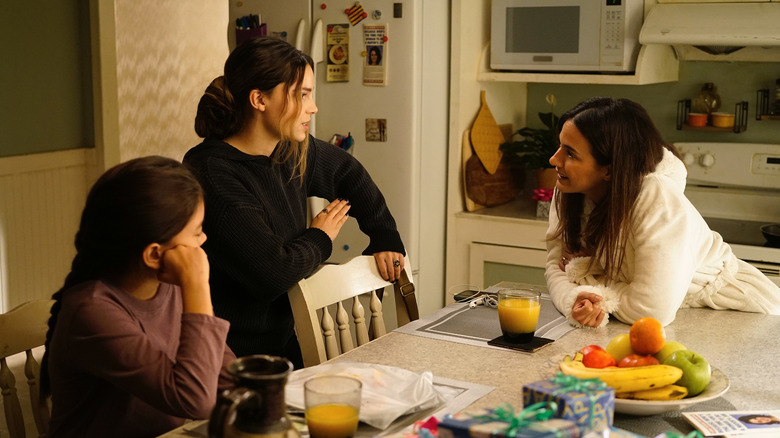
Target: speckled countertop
[744,346]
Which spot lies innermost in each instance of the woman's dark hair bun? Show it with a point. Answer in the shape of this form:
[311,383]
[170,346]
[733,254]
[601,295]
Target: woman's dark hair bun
[217,115]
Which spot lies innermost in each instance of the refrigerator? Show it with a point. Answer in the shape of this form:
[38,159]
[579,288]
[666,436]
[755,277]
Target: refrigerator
[382,75]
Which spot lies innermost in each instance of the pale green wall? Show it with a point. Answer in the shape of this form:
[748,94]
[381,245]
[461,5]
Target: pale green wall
[735,81]
[45,78]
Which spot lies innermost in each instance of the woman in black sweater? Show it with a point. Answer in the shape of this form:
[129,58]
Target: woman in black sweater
[258,165]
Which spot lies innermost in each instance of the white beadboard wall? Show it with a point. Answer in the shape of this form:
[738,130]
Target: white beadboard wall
[41,197]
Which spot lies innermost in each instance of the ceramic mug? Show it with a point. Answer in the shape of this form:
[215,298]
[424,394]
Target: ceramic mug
[697,119]
[723,120]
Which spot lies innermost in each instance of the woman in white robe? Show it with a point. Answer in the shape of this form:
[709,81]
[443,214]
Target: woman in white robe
[623,239]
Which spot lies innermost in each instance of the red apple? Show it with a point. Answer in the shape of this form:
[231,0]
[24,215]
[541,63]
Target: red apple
[589,348]
[598,358]
[637,360]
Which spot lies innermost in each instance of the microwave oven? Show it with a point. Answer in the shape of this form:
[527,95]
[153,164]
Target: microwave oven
[565,35]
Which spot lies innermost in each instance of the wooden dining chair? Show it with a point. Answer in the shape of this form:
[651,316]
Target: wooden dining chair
[21,330]
[333,288]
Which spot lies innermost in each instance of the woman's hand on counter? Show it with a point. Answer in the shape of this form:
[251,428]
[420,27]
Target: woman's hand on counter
[587,310]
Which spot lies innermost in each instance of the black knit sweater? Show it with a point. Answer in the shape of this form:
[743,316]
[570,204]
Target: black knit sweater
[258,241]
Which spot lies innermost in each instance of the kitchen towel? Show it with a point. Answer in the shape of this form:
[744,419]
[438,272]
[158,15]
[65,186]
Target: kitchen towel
[459,323]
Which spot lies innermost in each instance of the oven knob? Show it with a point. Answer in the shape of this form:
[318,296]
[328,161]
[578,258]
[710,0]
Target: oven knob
[707,160]
[688,159]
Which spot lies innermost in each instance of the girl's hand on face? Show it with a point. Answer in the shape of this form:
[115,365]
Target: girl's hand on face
[184,265]
[188,267]
[390,264]
[332,218]
[587,310]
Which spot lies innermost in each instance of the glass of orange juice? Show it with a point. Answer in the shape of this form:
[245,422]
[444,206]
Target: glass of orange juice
[332,405]
[518,313]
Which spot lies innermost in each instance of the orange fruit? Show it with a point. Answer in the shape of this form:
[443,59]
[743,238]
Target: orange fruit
[647,335]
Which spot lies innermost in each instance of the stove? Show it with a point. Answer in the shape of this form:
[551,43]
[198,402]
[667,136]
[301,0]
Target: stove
[736,188]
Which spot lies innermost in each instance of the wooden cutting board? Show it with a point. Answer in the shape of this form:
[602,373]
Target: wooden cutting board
[466,153]
[475,178]
[486,137]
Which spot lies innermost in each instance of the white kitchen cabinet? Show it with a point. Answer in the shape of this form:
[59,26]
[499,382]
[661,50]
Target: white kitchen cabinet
[509,239]
[490,264]
[496,244]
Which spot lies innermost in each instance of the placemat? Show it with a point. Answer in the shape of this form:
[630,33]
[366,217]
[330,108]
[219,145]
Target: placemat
[458,395]
[458,323]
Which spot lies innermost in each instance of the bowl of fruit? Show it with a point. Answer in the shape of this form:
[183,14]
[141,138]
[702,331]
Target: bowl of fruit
[650,374]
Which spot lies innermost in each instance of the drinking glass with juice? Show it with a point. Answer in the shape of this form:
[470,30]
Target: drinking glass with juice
[518,314]
[332,406]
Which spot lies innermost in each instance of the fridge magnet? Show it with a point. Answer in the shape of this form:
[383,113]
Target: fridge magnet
[375,65]
[337,66]
[356,13]
[376,129]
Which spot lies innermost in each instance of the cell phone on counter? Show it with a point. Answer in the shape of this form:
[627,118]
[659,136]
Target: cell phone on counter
[466,295]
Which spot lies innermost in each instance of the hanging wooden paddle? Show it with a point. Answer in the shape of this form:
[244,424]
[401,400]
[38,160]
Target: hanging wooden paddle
[486,137]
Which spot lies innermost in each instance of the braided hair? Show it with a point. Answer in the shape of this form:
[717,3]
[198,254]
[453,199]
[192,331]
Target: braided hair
[133,204]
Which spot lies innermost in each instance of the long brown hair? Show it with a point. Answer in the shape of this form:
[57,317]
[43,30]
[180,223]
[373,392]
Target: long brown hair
[621,135]
[133,204]
[257,64]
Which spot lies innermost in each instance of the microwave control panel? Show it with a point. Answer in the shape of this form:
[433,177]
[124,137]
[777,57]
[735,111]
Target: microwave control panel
[612,34]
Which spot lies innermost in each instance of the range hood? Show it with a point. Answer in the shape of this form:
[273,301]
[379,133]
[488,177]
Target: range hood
[716,31]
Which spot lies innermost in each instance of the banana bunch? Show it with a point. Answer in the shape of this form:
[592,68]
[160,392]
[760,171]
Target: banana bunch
[664,393]
[625,380]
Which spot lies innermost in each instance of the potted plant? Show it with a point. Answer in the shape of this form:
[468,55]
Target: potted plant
[533,147]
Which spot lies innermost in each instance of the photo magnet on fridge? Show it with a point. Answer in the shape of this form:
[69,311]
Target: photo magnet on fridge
[337,67]
[375,66]
[376,129]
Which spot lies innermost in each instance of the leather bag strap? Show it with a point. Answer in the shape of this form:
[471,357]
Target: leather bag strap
[404,296]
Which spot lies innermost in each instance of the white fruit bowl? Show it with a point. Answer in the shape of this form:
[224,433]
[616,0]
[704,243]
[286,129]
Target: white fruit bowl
[719,384]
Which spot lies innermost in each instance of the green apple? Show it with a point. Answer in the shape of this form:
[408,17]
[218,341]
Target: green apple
[696,370]
[668,348]
[620,347]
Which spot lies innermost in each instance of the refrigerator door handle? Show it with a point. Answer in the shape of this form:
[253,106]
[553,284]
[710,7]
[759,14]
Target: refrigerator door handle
[316,43]
[317,50]
[299,35]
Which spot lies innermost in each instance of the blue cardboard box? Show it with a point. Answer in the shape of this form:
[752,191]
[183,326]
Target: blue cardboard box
[480,425]
[589,409]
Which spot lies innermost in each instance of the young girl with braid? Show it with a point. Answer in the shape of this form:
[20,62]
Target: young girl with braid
[258,165]
[133,346]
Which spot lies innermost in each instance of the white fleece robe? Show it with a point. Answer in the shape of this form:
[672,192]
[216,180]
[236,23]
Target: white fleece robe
[673,260]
